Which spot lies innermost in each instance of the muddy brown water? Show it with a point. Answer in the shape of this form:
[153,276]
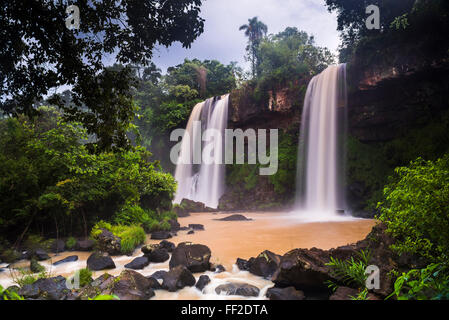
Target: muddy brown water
[228,240]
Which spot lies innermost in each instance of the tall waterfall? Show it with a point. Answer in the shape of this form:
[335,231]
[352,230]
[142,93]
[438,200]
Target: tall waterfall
[320,174]
[199,180]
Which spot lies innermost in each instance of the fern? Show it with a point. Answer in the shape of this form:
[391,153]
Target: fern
[349,272]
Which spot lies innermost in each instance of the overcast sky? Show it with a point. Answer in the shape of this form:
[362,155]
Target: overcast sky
[223,41]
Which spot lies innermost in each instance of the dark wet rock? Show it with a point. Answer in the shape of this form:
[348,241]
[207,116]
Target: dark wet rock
[40,255]
[158,255]
[203,281]
[29,291]
[35,267]
[49,289]
[108,242]
[84,245]
[238,289]
[100,261]
[65,260]
[235,217]
[184,228]
[303,268]
[160,235]
[131,285]
[138,263]
[174,225]
[148,248]
[188,206]
[219,269]
[194,256]
[178,278]
[159,274]
[289,293]
[154,283]
[344,293]
[196,226]
[167,245]
[265,264]
[242,264]
[191,232]
[2,270]
[57,246]
[13,289]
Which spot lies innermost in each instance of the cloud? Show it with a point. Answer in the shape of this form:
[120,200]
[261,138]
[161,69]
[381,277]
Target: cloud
[223,41]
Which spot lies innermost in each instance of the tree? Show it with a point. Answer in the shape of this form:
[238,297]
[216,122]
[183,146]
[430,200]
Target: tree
[255,30]
[38,53]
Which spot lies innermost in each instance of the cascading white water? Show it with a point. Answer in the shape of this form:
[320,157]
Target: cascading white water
[321,147]
[201,178]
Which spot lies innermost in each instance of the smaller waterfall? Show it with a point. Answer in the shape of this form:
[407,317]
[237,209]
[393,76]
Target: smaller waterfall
[320,176]
[200,171]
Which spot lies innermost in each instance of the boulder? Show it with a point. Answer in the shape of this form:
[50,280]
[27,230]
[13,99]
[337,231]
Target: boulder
[108,242]
[148,248]
[219,269]
[84,245]
[265,264]
[190,232]
[304,269]
[100,261]
[289,293]
[131,285]
[196,226]
[242,264]
[178,278]
[158,255]
[159,275]
[65,260]
[344,293]
[49,289]
[40,255]
[194,256]
[57,246]
[174,225]
[138,263]
[238,289]
[154,283]
[235,217]
[167,245]
[160,235]
[203,281]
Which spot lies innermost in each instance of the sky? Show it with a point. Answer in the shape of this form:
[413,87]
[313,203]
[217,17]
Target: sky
[222,40]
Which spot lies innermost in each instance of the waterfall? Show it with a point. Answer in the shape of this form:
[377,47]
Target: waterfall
[200,171]
[321,152]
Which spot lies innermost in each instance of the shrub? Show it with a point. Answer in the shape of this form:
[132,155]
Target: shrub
[416,208]
[9,295]
[131,236]
[85,276]
[351,271]
[431,282]
[70,243]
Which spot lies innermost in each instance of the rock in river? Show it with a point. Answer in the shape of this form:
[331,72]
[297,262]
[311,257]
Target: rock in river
[65,260]
[289,293]
[203,281]
[178,278]
[194,256]
[160,235]
[235,217]
[100,261]
[138,263]
[238,289]
[265,264]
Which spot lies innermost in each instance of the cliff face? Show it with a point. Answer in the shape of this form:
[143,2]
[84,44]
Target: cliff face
[385,103]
